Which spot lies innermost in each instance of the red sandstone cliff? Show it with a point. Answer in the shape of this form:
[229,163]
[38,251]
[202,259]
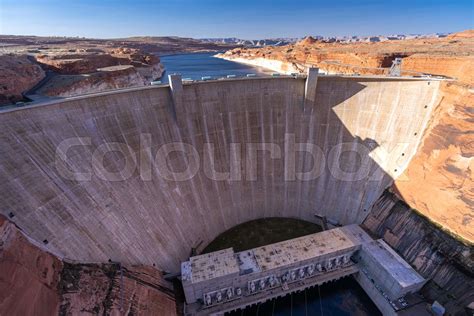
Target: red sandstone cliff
[460,68]
[81,58]
[463,34]
[108,78]
[451,56]
[29,277]
[36,283]
[98,71]
[74,63]
[17,74]
[438,181]
[106,290]
[76,72]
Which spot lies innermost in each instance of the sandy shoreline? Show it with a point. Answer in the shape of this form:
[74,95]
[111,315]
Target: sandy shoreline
[274,65]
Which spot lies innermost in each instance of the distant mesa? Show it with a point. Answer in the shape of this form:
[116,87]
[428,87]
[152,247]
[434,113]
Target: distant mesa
[308,40]
[252,43]
[463,34]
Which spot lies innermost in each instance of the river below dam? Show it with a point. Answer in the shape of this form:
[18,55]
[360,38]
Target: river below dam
[197,65]
[340,298]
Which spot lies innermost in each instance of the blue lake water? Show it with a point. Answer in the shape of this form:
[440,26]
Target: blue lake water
[197,65]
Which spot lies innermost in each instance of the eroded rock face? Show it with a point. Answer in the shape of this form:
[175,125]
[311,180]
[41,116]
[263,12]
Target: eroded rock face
[451,56]
[463,34]
[29,277]
[73,63]
[76,71]
[34,282]
[80,57]
[308,40]
[108,78]
[89,73]
[438,180]
[109,290]
[460,68]
[17,74]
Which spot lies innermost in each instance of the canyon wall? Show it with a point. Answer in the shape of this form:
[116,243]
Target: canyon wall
[17,74]
[29,276]
[84,73]
[445,261]
[460,68]
[146,218]
[107,289]
[36,283]
[68,71]
[105,79]
[450,56]
[295,61]
[438,180]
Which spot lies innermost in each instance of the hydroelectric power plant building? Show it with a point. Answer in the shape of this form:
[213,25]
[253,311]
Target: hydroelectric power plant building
[224,281]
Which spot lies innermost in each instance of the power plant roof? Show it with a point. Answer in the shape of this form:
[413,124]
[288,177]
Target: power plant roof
[302,248]
[213,265]
[225,262]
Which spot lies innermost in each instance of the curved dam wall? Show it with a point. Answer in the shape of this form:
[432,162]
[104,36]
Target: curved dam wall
[149,217]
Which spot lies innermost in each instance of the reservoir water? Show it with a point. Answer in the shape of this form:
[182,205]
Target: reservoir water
[198,65]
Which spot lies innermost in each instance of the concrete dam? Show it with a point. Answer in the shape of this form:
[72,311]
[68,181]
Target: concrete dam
[221,153]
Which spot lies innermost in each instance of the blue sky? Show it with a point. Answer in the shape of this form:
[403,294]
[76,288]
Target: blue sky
[232,18]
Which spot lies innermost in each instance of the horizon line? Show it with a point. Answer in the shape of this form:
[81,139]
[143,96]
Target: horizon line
[240,38]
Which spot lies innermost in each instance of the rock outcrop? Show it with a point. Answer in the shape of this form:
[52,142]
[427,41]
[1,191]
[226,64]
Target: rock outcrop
[29,276]
[463,34]
[74,64]
[460,68]
[108,289]
[25,60]
[451,56]
[308,40]
[88,62]
[98,71]
[108,78]
[34,282]
[438,180]
[17,74]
